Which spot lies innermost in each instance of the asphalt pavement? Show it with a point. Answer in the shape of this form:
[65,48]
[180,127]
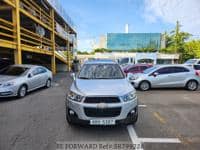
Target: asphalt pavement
[168,119]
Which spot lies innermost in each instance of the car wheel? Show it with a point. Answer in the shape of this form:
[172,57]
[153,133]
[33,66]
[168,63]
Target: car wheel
[133,119]
[192,85]
[144,86]
[22,91]
[68,118]
[48,83]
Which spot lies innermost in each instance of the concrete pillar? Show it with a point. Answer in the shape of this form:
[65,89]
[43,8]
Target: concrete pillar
[16,23]
[53,56]
[68,56]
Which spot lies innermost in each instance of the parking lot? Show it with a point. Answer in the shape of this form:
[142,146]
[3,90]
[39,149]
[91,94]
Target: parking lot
[168,119]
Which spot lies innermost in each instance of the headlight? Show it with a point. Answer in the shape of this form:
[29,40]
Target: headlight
[134,77]
[129,97]
[7,84]
[75,97]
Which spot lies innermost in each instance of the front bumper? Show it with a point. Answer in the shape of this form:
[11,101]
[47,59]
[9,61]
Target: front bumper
[80,116]
[135,83]
[127,120]
[8,91]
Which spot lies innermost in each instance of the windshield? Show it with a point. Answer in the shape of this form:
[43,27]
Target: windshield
[190,61]
[13,71]
[101,71]
[123,61]
[149,70]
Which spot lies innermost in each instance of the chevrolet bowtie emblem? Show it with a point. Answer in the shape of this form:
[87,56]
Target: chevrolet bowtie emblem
[102,105]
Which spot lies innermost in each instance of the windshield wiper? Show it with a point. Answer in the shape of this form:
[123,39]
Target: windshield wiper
[84,78]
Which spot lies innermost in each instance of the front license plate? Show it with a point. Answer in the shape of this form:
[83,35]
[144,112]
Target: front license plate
[102,122]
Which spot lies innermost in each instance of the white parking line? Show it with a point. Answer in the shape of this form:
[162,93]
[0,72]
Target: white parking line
[136,140]
[159,140]
[133,136]
[142,106]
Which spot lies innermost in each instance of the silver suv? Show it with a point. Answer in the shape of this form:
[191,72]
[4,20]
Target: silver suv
[167,76]
[101,95]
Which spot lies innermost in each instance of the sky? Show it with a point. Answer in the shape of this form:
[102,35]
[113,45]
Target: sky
[94,18]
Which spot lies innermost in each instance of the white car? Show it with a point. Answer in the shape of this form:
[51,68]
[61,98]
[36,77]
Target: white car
[101,95]
[166,76]
[17,80]
[192,62]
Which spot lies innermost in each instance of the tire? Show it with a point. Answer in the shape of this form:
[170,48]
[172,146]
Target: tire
[192,85]
[144,86]
[68,118]
[133,120]
[22,91]
[48,83]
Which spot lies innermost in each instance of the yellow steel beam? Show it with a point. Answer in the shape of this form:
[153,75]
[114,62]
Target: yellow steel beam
[35,50]
[7,44]
[61,59]
[16,22]
[53,57]
[35,19]
[5,7]
[10,3]
[57,34]
[68,56]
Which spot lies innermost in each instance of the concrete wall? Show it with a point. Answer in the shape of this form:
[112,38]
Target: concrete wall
[61,67]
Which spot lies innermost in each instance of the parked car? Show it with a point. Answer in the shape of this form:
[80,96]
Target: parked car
[167,76]
[192,62]
[101,95]
[123,62]
[17,80]
[197,68]
[138,68]
[4,63]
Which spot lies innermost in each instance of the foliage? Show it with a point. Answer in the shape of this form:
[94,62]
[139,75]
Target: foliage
[191,50]
[176,41]
[102,50]
[98,50]
[83,53]
[148,49]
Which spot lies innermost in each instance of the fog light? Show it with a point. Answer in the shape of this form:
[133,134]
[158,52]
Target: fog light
[133,112]
[71,112]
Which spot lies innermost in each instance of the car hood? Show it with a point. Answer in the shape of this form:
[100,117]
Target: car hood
[138,74]
[116,87]
[5,78]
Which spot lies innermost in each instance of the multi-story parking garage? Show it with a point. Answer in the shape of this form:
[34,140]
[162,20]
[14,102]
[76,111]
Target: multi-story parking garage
[36,32]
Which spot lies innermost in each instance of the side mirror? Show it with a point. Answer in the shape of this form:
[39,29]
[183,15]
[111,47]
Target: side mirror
[155,74]
[73,76]
[30,75]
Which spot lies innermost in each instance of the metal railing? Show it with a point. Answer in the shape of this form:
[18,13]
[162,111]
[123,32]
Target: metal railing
[7,32]
[35,10]
[32,39]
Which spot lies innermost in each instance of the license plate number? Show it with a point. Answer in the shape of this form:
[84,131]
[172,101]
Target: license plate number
[102,122]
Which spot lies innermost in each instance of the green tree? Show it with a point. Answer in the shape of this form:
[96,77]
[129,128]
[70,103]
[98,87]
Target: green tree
[102,50]
[191,50]
[83,53]
[179,38]
[175,41]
